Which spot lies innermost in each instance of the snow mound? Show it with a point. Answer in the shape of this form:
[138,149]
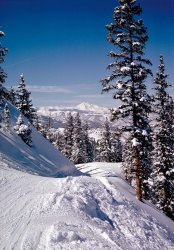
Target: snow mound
[41,159]
[97,212]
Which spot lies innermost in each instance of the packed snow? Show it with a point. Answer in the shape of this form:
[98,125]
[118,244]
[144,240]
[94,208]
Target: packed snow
[98,211]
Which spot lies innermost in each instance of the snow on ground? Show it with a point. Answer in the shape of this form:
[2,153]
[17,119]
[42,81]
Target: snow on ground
[42,158]
[98,211]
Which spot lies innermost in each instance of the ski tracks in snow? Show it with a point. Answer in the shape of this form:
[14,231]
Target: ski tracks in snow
[74,213]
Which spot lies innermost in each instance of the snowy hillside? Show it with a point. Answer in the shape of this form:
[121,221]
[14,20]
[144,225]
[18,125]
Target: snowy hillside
[97,212]
[42,158]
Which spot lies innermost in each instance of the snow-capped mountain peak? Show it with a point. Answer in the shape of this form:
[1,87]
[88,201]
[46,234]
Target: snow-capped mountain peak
[91,107]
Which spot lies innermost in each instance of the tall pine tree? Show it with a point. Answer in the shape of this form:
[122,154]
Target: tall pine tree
[129,72]
[89,144]
[162,176]
[116,147]
[68,136]
[24,102]
[78,154]
[105,144]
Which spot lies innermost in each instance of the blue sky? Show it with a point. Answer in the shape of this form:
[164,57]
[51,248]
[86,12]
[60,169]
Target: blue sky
[61,46]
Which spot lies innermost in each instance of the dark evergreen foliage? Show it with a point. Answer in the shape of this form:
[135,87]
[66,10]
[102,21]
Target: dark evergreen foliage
[24,102]
[68,136]
[59,141]
[162,177]
[78,154]
[88,144]
[116,147]
[105,144]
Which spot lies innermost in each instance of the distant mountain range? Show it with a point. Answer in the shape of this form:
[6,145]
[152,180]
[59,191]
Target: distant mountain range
[93,114]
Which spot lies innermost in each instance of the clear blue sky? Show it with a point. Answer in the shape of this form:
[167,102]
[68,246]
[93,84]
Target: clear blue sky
[61,46]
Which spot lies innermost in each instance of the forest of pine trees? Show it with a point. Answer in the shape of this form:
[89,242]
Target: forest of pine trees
[147,146]
[76,144]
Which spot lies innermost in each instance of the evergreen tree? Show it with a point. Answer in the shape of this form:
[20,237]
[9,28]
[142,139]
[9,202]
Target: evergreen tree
[24,131]
[78,154]
[97,151]
[59,141]
[105,144]
[50,135]
[3,75]
[68,136]
[129,72]
[24,103]
[162,176]
[6,117]
[89,147]
[116,148]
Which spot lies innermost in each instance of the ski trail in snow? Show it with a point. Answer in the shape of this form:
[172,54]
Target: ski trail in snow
[75,213]
[21,201]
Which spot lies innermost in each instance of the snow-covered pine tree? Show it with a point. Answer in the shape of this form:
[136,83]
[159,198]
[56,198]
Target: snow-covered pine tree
[59,141]
[89,144]
[162,176]
[78,154]
[171,110]
[97,151]
[68,136]
[6,117]
[24,103]
[105,144]
[3,75]
[129,72]
[24,131]
[116,147]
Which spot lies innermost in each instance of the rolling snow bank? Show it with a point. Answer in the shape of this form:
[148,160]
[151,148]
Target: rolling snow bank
[78,213]
[42,158]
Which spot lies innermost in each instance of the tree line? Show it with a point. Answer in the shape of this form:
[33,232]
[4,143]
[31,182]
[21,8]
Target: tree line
[76,144]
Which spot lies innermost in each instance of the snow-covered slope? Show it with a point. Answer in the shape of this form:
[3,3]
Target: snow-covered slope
[96,209]
[81,213]
[42,158]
